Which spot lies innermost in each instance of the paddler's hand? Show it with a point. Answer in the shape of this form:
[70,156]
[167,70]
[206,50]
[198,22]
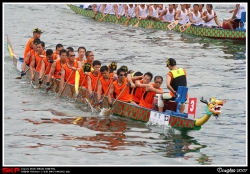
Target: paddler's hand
[100,102]
[22,73]
[40,81]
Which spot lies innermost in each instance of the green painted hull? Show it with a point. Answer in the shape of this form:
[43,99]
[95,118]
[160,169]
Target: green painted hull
[197,31]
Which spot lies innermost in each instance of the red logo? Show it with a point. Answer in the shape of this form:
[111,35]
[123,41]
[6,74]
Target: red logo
[10,170]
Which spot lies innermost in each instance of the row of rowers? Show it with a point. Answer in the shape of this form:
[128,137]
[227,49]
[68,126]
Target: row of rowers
[184,14]
[95,77]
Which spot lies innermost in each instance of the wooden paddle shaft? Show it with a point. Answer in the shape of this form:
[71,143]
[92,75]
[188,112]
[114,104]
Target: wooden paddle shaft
[119,95]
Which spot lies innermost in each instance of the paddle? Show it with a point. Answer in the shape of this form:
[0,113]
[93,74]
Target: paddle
[66,83]
[52,82]
[76,88]
[98,107]
[186,26]
[20,77]
[100,20]
[96,12]
[174,23]
[137,24]
[127,21]
[118,16]
[43,76]
[108,111]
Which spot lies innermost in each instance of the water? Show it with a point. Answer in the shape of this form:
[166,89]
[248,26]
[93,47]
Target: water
[38,127]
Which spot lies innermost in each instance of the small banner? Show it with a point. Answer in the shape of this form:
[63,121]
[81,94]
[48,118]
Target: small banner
[192,107]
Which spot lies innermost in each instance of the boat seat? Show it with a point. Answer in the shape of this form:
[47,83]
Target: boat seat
[242,21]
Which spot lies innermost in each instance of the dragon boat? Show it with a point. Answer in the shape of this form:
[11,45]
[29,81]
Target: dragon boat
[216,33]
[171,117]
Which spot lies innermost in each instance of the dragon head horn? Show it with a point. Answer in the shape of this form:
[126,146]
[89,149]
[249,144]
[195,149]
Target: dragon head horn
[204,101]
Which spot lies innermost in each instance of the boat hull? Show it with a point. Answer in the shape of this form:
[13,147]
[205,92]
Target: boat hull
[216,33]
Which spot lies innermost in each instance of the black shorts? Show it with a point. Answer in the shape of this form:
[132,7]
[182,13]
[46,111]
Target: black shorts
[236,20]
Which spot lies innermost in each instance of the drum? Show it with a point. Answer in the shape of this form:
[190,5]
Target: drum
[225,25]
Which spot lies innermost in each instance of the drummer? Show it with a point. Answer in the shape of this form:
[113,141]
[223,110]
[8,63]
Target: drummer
[236,16]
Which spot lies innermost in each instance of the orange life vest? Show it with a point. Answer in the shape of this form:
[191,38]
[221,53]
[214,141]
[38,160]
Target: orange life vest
[38,61]
[27,47]
[68,72]
[83,76]
[106,84]
[93,81]
[45,60]
[137,93]
[126,95]
[148,98]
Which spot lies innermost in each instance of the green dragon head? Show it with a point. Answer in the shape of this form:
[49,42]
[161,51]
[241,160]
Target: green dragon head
[213,106]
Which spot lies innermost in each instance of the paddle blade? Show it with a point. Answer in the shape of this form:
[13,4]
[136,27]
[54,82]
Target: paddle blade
[137,24]
[100,20]
[77,78]
[150,26]
[126,23]
[19,77]
[108,112]
[172,25]
[116,21]
[184,27]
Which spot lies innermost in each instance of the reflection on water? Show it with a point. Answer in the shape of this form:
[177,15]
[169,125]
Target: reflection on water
[113,133]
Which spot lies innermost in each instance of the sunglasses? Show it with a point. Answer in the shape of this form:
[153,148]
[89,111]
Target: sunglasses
[72,55]
[122,74]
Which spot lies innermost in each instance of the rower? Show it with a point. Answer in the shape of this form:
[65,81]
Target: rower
[93,78]
[150,91]
[55,69]
[122,84]
[141,82]
[80,59]
[35,64]
[104,83]
[68,70]
[181,15]
[59,47]
[194,17]
[210,17]
[168,14]
[28,59]
[46,65]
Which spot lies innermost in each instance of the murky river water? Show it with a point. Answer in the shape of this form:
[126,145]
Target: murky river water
[214,68]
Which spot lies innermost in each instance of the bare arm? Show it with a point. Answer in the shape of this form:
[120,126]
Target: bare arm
[90,85]
[111,91]
[139,84]
[52,71]
[126,10]
[137,12]
[62,79]
[99,90]
[191,18]
[32,67]
[157,91]
[216,19]
[42,69]
[168,84]
[103,8]
[177,15]
[164,12]
[150,11]
[132,85]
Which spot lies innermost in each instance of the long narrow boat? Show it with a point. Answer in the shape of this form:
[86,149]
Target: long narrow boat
[216,33]
[171,116]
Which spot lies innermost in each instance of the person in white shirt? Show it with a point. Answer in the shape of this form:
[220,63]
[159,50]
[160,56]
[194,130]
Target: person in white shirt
[236,16]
